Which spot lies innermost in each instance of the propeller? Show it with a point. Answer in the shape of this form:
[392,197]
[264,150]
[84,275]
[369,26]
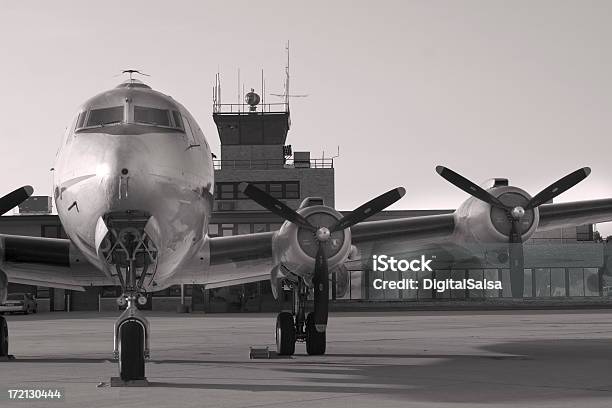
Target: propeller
[515,214]
[14,198]
[322,235]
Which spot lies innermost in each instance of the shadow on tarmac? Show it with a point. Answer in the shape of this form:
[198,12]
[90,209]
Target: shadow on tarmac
[546,370]
[520,372]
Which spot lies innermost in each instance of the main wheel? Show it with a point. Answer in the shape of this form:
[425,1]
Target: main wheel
[131,351]
[4,340]
[315,341]
[285,334]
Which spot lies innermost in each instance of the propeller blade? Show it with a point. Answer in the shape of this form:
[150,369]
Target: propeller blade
[321,290]
[517,260]
[469,187]
[558,187]
[272,204]
[368,209]
[14,198]
[517,270]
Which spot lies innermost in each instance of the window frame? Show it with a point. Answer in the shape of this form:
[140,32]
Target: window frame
[168,116]
[285,193]
[86,124]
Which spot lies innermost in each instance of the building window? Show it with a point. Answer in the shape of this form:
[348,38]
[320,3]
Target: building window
[576,281]
[277,189]
[557,282]
[213,230]
[260,227]
[542,282]
[244,229]
[227,230]
[591,282]
[584,233]
[42,292]
[227,191]
[292,189]
[109,292]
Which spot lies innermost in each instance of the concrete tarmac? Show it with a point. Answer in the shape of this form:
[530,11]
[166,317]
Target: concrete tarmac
[395,359]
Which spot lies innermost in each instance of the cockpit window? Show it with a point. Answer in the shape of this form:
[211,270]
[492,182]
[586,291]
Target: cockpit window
[81,120]
[151,116]
[178,122]
[105,116]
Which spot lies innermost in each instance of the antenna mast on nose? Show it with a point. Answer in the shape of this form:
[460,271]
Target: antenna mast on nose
[131,72]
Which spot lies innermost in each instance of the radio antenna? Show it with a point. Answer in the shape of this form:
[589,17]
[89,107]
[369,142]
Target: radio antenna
[131,72]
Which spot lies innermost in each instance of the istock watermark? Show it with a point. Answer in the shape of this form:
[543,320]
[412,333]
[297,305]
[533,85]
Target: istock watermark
[383,263]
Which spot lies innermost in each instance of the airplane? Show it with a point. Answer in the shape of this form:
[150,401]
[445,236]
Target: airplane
[133,187]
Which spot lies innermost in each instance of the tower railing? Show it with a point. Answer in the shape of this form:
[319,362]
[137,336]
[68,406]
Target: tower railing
[243,108]
[265,164]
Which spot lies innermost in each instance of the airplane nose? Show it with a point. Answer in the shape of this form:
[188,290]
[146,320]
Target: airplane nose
[124,172]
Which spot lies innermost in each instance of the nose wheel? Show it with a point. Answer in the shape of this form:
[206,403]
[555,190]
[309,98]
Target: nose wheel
[131,344]
[131,351]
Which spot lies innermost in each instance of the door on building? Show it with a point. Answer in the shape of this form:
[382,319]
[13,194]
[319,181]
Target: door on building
[58,300]
[87,300]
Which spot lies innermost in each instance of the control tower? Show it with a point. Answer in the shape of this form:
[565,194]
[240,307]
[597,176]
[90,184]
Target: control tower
[253,138]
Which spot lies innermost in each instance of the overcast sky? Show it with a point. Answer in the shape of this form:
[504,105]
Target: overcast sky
[518,89]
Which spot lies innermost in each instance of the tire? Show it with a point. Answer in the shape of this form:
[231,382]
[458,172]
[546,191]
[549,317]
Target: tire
[131,351]
[285,334]
[4,339]
[315,341]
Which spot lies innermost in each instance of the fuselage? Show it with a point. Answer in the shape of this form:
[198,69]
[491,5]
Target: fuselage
[135,150]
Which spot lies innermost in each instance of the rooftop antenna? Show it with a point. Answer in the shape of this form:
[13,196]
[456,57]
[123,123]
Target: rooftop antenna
[217,93]
[131,72]
[286,94]
[287,79]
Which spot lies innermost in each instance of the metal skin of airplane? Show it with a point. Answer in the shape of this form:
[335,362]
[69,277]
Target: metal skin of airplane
[133,186]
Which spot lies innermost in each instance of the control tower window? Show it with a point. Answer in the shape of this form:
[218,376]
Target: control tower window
[151,116]
[105,116]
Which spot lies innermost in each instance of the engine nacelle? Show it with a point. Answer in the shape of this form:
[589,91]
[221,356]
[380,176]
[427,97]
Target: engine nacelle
[478,222]
[294,248]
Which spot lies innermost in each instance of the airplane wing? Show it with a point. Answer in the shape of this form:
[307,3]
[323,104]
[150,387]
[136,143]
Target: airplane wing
[247,258]
[225,261]
[574,214]
[47,262]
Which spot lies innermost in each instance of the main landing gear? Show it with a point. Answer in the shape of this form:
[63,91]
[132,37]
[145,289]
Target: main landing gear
[4,339]
[296,326]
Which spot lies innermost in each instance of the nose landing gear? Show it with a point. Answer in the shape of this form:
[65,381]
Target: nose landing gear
[132,253]
[132,333]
